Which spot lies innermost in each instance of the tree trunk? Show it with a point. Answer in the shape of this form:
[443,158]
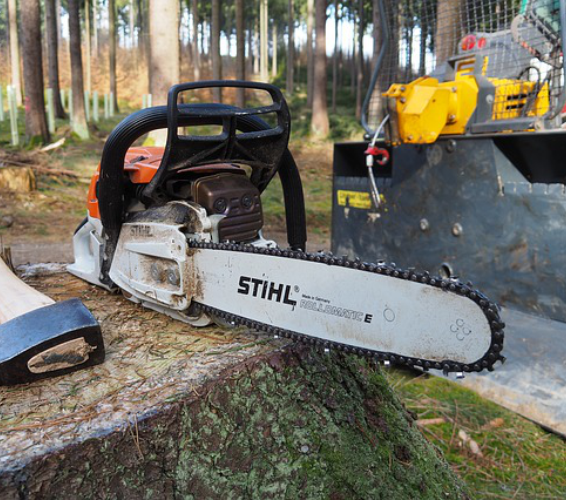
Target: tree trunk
[319,123]
[15,50]
[335,58]
[112,50]
[423,40]
[290,47]
[132,25]
[310,62]
[215,47]
[196,52]
[211,414]
[53,56]
[360,64]
[353,58]
[143,42]
[263,35]
[250,54]
[376,107]
[164,52]
[58,15]
[78,117]
[240,52]
[36,121]
[95,27]
[88,48]
[448,29]
[256,47]
[274,37]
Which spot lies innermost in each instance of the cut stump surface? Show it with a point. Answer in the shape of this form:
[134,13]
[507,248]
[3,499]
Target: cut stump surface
[178,412]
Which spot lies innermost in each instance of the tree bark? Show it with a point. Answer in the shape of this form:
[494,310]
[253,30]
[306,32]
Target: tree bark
[164,53]
[36,120]
[274,37]
[143,36]
[360,64]
[376,106]
[53,56]
[58,14]
[250,54]
[88,48]
[263,36]
[335,58]
[112,50]
[290,47]
[95,27]
[310,62]
[423,40]
[240,52]
[377,34]
[256,47]
[319,123]
[196,52]
[448,29]
[78,117]
[132,25]
[215,47]
[15,50]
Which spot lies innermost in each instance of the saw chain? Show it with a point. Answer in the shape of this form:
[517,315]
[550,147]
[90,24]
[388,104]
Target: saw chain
[450,285]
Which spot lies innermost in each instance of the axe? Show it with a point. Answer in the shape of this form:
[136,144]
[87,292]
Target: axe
[40,338]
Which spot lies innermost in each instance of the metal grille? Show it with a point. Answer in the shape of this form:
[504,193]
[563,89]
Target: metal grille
[518,42]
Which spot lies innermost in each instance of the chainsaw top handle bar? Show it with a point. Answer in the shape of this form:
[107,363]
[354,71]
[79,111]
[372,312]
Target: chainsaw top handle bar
[262,149]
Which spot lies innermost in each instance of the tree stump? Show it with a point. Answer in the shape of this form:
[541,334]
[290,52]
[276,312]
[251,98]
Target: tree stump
[177,412]
[18,179]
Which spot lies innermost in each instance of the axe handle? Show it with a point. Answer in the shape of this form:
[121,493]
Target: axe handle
[17,298]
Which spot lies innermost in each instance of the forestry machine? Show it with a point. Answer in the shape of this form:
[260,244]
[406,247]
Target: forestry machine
[465,172]
[179,230]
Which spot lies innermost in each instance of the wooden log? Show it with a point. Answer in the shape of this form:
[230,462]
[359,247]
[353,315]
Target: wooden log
[18,179]
[177,412]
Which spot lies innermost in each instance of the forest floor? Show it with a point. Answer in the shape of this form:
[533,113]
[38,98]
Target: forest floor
[498,453]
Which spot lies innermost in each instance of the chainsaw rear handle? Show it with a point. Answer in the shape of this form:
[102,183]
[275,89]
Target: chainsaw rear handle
[111,182]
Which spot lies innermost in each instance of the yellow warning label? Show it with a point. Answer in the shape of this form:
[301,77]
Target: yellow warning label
[354,199]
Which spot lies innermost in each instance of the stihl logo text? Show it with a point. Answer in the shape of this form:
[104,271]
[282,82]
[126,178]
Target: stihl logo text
[276,292]
[140,231]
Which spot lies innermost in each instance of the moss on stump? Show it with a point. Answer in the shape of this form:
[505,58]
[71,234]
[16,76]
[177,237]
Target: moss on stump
[292,423]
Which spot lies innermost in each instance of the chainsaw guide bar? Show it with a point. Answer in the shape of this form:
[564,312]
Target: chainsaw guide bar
[451,286]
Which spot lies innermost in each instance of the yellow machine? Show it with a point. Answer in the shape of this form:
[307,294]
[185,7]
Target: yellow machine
[427,108]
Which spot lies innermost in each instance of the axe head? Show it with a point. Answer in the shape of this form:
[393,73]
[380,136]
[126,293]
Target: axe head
[49,341]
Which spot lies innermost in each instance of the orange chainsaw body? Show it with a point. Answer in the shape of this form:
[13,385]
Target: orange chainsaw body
[140,164]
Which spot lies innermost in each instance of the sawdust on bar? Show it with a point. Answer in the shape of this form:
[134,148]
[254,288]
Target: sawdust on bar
[151,360]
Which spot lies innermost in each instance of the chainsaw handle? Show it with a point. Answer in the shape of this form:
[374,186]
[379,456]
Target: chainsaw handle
[111,190]
[261,149]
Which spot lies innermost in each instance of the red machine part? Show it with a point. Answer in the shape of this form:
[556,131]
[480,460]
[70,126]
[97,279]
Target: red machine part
[381,155]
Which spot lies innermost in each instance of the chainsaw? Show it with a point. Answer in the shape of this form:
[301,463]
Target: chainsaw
[179,230]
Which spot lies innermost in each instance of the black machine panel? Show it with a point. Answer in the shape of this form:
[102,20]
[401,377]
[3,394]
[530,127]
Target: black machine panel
[466,207]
